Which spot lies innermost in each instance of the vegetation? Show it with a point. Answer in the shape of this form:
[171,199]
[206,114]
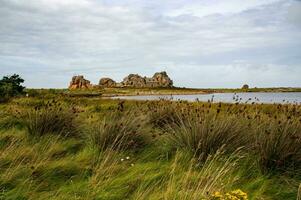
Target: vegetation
[109,92]
[51,118]
[118,131]
[10,86]
[58,147]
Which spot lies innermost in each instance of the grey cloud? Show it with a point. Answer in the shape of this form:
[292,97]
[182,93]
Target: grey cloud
[113,39]
[294,13]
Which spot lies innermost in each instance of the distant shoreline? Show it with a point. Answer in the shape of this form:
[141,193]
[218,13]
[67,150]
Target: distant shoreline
[113,92]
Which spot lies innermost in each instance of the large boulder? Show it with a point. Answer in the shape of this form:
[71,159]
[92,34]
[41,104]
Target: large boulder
[245,87]
[134,80]
[79,82]
[162,79]
[159,79]
[107,82]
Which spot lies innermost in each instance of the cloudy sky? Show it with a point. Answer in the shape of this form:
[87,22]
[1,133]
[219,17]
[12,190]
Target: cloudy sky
[200,43]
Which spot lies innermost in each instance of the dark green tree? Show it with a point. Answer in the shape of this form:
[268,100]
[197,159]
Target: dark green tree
[10,86]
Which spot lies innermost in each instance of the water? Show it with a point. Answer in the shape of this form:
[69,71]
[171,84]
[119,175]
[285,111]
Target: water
[248,97]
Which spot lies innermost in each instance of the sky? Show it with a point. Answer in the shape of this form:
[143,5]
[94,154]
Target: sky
[199,43]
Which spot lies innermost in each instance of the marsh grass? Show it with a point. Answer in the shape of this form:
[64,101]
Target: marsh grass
[278,145]
[207,139]
[187,179]
[119,131]
[161,113]
[51,119]
[206,134]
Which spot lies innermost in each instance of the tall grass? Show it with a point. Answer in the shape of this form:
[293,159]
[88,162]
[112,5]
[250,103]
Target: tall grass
[119,131]
[125,163]
[27,169]
[161,113]
[186,179]
[205,134]
[51,119]
[278,145]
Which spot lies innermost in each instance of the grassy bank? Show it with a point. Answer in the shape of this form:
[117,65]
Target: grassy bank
[109,92]
[89,148]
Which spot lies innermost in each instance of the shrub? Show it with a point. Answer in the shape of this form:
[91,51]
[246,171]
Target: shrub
[204,135]
[10,86]
[51,119]
[278,145]
[119,131]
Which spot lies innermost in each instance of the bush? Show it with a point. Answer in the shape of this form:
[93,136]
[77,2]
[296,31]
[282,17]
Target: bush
[51,119]
[119,131]
[206,134]
[10,86]
[278,145]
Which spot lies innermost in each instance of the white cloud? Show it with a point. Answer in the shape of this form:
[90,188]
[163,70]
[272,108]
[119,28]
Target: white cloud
[211,7]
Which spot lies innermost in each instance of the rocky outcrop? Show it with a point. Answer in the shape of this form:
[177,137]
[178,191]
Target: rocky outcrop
[107,82]
[245,87]
[79,82]
[159,79]
[134,80]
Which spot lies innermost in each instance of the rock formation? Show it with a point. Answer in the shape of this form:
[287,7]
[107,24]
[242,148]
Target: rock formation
[134,80]
[79,82]
[245,87]
[107,82]
[162,80]
[159,79]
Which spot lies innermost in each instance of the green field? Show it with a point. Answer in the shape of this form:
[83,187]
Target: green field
[54,145]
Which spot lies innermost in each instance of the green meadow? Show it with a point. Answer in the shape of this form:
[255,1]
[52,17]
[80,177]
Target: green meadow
[74,147]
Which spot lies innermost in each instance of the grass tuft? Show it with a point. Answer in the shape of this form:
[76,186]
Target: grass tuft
[278,146]
[119,131]
[51,119]
[205,135]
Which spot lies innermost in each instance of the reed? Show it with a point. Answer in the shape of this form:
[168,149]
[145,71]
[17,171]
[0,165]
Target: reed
[51,119]
[119,131]
[204,135]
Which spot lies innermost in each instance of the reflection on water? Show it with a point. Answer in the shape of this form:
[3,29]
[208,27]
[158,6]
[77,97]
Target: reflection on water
[247,97]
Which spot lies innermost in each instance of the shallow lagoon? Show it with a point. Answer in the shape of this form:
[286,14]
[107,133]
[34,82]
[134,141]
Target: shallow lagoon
[246,97]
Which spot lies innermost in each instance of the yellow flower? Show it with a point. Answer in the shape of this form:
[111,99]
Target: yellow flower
[233,195]
[236,195]
[240,194]
[217,195]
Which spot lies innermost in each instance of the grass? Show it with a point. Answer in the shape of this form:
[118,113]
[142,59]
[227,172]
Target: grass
[108,92]
[279,145]
[205,135]
[51,118]
[119,131]
[147,150]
